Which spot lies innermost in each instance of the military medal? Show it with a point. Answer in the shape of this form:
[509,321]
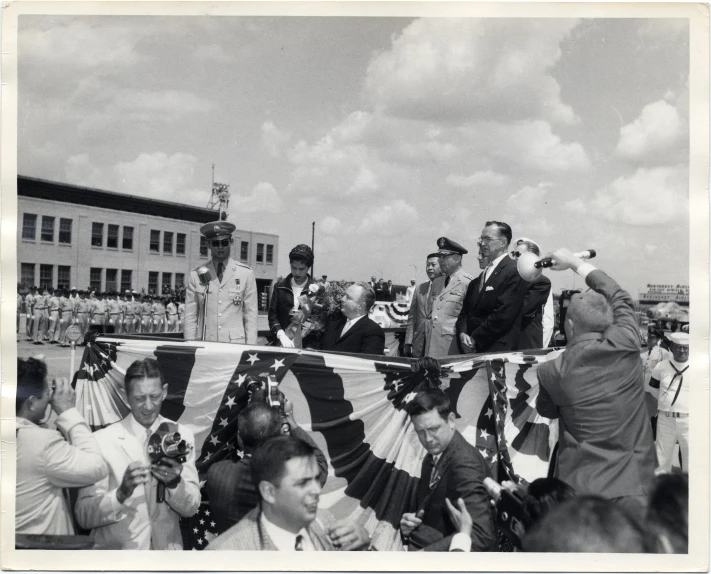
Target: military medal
[238,298]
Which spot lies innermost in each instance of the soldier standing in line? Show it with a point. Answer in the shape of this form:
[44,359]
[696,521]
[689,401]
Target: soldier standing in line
[45,318]
[54,317]
[127,325]
[136,305]
[81,313]
[66,310]
[38,309]
[172,312]
[181,314]
[99,313]
[114,311]
[29,309]
[146,314]
[158,315]
[231,294]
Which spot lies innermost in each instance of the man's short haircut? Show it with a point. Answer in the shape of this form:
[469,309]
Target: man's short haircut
[270,458]
[31,377]
[591,312]
[668,513]
[532,247]
[257,423]
[586,524]
[504,229]
[142,369]
[430,399]
[542,495]
[368,295]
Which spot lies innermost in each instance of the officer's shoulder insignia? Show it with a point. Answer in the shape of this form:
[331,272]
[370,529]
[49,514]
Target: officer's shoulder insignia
[243,265]
[467,276]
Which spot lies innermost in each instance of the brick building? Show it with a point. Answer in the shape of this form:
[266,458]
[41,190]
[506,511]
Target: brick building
[70,236]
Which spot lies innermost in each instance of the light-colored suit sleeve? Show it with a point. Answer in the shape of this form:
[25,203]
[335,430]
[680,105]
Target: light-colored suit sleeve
[185,498]
[76,464]
[411,315]
[250,310]
[190,321]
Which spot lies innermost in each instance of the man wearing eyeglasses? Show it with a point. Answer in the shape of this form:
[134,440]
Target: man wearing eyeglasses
[490,320]
[231,293]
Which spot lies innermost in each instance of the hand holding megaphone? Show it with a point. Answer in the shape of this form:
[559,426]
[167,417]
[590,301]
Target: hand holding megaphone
[530,267]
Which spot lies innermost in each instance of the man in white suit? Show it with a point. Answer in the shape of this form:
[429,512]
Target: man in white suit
[418,330]
[122,510]
[231,294]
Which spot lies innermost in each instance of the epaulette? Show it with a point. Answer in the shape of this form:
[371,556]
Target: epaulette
[243,265]
[467,276]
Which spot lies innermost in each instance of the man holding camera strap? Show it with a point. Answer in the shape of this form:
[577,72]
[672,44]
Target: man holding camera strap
[122,510]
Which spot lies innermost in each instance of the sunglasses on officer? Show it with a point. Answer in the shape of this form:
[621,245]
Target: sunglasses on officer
[220,242]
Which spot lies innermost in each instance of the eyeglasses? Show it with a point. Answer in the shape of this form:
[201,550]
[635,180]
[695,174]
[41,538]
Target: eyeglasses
[487,239]
[220,242]
[515,254]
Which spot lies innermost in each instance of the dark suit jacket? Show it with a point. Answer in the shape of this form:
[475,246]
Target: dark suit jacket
[463,471]
[596,389]
[232,492]
[282,303]
[492,316]
[419,327]
[531,336]
[365,337]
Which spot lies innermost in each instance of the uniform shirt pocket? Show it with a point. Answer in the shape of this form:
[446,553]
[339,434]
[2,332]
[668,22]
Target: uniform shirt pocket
[237,335]
[452,306]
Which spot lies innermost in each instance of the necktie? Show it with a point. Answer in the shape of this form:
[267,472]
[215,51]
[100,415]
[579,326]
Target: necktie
[220,269]
[681,381]
[346,327]
[482,279]
[434,475]
[446,282]
[299,544]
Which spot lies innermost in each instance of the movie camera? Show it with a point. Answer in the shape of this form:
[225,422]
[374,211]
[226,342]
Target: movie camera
[166,442]
[267,391]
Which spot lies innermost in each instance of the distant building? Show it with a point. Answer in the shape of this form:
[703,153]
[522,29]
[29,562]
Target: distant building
[657,293]
[70,236]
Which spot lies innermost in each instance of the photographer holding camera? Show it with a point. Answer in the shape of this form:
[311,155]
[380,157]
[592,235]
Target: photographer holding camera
[123,510]
[230,481]
[46,462]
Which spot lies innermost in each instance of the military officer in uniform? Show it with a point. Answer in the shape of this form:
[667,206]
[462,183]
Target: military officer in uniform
[231,294]
[171,310]
[29,309]
[66,308]
[38,308]
[448,296]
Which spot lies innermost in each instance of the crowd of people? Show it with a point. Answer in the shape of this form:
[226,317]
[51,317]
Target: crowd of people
[611,488]
[49,312]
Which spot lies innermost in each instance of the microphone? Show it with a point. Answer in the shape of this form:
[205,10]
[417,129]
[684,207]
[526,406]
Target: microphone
[548,261]
[204,275]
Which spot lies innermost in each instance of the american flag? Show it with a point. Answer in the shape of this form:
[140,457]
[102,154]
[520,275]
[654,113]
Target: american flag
[352,405]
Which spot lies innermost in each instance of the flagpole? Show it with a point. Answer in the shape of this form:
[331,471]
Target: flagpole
[313,232]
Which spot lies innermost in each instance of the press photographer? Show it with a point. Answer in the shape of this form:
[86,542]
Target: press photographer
[123,510]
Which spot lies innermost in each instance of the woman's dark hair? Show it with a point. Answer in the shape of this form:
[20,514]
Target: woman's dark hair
[31,378]
[303,254]
[142,369]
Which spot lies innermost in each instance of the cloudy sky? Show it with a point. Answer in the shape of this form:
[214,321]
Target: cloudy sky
[387,132]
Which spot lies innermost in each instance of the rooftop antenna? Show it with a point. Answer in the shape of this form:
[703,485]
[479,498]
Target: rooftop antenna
[220,196]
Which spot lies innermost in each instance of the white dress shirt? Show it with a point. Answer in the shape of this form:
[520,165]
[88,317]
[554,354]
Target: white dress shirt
[490,269]
[350,323]
[283,539]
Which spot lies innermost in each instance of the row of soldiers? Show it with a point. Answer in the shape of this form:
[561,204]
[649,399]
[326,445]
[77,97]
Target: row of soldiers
[48,314]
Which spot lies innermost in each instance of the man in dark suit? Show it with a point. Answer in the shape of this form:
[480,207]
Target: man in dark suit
[531,336]
[596,390]
[230,481]
[355,332]
[490,319]
[286,475]
[452,469]
[419,326]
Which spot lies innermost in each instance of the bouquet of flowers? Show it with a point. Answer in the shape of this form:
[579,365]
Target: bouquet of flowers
[316,308]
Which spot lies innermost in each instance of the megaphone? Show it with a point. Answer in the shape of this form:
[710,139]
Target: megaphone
[530,267]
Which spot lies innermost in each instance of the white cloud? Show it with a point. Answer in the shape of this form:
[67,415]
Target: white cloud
[529,199]
[365,183]
[468,69]
[655,136]
[651,196]
[389,219]
[263,198]
[331,225]
[576,206]
[650,249]
[79,170]
[479,178]
[213,52]
[274,139]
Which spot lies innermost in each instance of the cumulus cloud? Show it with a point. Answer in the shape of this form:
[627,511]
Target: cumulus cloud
[263,198]
[274,139]
[365,183]
[477,179]
[332,225]
[655,136]
[389,219]
[469,68]
[211,52]
[651,196]
[529,199]
[160,176]
[79,170]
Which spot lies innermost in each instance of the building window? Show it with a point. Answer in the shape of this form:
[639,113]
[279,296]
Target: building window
[128,237]
[63,272]
[270,254]
[112,236]
[65,230]
[111,275]
[126,280]
[167,283]
[260,252]
[47,228]
[167,242]
[244,251]
[46,276]
[203,247]
[95,278]
[27,274]
[179,280]
[97,234]
[153,282]
[155,240]
[29,224]
[180,244]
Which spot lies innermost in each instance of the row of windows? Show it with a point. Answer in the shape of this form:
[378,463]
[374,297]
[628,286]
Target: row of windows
[29,228]
[155,242]
[28,275]
[166,283]
[244,251]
